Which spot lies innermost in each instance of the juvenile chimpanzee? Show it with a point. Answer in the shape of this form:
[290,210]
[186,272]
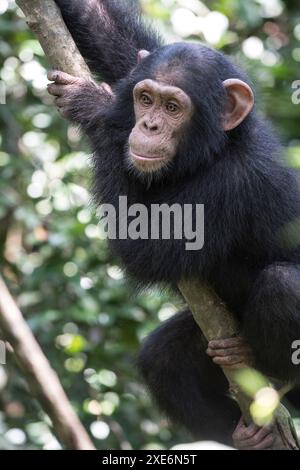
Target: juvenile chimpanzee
[177,124]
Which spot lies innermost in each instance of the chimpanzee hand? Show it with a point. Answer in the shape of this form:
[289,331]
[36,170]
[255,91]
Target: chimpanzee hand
[253,437]
[233,353]
[74,96]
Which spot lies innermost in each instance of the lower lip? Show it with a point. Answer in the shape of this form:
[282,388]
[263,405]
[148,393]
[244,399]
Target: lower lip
[146,159]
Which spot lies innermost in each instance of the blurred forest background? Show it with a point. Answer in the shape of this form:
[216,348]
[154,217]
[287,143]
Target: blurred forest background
[87,319]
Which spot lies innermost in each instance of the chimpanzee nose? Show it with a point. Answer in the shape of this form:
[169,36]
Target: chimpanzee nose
[150,127]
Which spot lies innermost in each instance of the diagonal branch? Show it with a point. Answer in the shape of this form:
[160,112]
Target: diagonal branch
[44,19]
[216,322]
[41,378]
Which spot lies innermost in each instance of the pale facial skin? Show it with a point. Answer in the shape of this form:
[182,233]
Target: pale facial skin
[161,113]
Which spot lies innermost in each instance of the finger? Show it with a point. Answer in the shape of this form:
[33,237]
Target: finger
[259,443]
[252,435]
[63,113]
[243,432]
[238,351]
[60,102]
[61,77]
[225,362]
[266,443]
[262,433]
[226,343]
[211,352]
[56,90]
[257,437]
[229,360]
[106,88]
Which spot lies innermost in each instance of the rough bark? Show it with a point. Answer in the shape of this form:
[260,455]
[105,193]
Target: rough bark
[44,19]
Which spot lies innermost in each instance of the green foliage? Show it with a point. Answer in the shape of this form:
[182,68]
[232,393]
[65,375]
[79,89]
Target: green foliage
[86,317]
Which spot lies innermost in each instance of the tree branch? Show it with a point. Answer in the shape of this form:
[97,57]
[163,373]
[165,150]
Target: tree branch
[216,322]
[45,20]
[41,378]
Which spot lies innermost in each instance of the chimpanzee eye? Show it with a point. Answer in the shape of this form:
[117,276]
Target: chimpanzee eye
[145,99]
[172,107]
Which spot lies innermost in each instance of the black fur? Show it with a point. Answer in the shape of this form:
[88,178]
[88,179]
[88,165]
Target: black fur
[107,32]
[249,194]
[185,382]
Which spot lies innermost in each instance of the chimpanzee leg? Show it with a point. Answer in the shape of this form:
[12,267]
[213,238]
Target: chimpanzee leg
[185,382]
[272,320]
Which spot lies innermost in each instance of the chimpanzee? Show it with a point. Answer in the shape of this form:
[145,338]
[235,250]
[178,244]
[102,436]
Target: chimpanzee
[177,124]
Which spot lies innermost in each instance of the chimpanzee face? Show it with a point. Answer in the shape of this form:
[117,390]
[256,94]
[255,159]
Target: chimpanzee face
[161,113]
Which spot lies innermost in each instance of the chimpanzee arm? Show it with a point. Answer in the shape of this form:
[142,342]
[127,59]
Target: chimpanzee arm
[109,34]
[81,101]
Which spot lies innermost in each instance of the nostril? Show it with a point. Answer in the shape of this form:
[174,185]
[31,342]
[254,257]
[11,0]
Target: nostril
[150,127]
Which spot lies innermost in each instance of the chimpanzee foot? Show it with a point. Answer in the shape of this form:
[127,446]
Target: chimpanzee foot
[233,353]
[252,437]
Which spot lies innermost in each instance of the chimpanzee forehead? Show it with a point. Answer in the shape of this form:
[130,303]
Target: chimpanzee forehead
[162,89]
[170,74]
[182,65]
[167,78]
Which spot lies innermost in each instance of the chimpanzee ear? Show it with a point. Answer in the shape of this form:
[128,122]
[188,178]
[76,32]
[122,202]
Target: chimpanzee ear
[239,104]
[142,54]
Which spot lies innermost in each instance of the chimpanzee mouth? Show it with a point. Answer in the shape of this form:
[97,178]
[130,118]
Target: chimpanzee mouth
[147,158]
